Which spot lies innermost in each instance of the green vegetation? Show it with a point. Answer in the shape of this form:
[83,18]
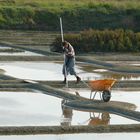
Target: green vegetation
[77,15]
[118,40]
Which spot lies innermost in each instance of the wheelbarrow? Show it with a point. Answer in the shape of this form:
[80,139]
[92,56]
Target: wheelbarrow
[103,87]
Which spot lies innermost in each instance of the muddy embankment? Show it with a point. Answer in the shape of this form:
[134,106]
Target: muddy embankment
[126,85]
[34,130]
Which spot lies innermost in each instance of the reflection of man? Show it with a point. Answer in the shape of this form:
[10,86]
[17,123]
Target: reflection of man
[104,120]
[67,114]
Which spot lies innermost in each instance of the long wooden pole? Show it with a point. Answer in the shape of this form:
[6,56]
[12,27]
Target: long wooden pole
[62,38]
[61,27]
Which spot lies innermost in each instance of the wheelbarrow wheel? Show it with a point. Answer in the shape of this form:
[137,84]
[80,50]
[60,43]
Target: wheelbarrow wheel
[106,95]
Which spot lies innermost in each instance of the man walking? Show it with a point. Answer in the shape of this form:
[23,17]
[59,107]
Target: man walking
[69,61]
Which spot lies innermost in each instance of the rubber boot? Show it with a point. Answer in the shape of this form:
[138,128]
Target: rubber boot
[78,79]
[65,81]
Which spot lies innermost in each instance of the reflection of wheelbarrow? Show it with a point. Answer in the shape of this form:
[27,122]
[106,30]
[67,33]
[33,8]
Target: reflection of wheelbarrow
[103,87]
[101,119]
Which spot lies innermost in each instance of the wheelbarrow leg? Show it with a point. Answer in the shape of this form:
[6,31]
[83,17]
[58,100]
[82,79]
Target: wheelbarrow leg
[91,94]
[94,94]
[100,95]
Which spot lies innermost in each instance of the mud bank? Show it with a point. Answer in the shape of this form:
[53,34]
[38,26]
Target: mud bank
[11,84]
[118,85]
[34,130]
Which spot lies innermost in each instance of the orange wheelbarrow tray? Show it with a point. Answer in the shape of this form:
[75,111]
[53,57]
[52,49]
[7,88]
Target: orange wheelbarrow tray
[102,86]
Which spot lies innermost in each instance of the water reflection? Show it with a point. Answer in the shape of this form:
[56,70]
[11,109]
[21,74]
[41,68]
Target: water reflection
[100,118]
[67,114]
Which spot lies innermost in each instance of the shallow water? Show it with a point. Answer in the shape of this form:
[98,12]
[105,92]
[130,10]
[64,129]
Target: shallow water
[53,71]
[25,53]
[104,73]
[4,47]
[88,136]
[27,108]
[41,71]
[14,106]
